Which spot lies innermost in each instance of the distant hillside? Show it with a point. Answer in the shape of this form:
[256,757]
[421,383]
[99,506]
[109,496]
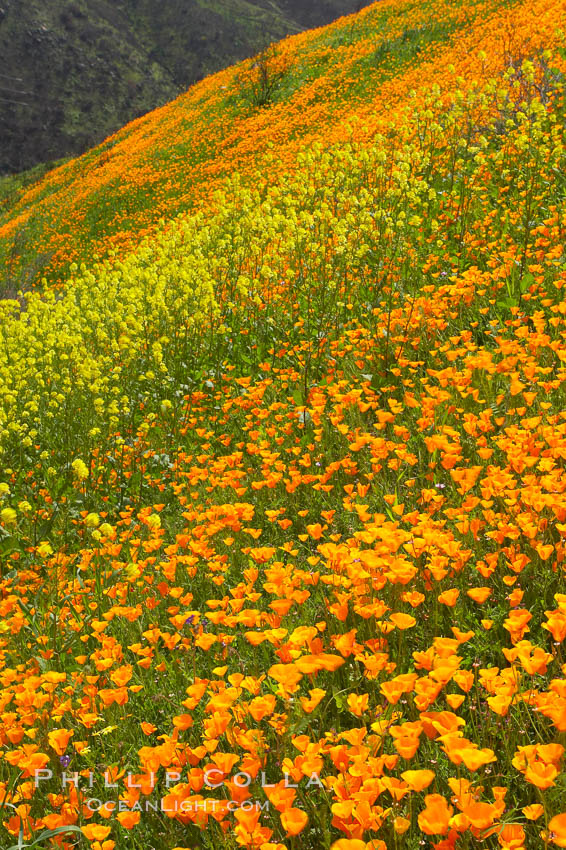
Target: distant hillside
[173,159]
[72,73]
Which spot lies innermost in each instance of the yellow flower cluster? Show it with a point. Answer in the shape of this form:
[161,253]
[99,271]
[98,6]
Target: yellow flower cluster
[84,357]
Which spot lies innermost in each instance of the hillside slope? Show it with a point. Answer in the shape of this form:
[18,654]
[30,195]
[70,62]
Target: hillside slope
[282,501]
[71,73]
[173,158]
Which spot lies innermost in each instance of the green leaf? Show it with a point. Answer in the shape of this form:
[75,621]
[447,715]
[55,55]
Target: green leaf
[507,303]
[527,281]
[47,833]
[340,702]
[9,545]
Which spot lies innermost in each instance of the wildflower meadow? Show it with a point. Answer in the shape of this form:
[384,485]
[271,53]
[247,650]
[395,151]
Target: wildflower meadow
[282,454]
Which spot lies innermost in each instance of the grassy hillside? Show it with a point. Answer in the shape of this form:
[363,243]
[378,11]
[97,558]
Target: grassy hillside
[177,157]
[72,73]
[282,443]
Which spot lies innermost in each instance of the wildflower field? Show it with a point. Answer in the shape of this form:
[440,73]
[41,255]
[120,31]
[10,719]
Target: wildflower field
[282,454]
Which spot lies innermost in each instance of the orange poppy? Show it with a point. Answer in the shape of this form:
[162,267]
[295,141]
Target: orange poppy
[434,819]
[294,821]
